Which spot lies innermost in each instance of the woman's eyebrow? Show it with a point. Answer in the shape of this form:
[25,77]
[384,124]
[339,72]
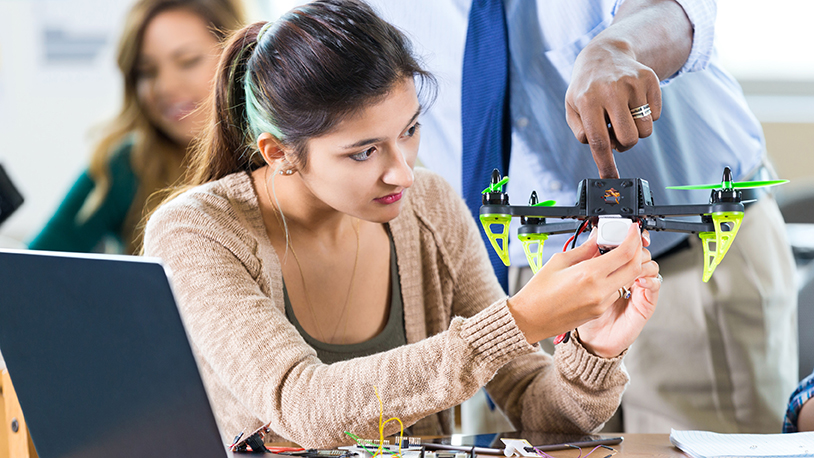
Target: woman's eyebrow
[417,112]
[368,141]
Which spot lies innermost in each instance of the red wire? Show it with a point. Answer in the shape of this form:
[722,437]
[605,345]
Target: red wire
[560,338]
[567,242]
[284,449]
[571,239]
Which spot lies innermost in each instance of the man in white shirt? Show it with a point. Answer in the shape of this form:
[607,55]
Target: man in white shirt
[718,356]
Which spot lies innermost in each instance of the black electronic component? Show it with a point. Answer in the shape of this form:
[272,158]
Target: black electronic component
[10,197]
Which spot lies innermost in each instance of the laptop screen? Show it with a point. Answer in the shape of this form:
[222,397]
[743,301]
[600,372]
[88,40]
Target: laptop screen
[100,359]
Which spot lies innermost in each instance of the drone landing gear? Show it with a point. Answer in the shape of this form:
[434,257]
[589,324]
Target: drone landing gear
[535,258]
[726,228]
[500,241]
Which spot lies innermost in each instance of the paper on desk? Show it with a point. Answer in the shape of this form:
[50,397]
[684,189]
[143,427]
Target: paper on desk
[704,444]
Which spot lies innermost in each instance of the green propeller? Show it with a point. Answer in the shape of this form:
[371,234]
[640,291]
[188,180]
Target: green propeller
[533,201]
[727,183]
[547,203]
[496,187]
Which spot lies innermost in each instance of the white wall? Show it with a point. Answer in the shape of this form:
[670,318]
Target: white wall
[766,40]
[49,100]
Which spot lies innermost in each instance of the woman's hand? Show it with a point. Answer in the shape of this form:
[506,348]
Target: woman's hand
[617,328]
[579,286]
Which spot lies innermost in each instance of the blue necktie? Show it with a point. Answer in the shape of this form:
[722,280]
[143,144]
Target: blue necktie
[485,108]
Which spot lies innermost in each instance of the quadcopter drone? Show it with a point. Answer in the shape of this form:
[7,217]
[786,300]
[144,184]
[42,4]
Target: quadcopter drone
[612,205]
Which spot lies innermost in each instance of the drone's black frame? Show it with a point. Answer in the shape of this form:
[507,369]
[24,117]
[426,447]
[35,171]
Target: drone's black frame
[626,197]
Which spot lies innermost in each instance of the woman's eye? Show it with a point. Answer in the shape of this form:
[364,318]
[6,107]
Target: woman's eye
[411,131]
[191,62]
[364,155]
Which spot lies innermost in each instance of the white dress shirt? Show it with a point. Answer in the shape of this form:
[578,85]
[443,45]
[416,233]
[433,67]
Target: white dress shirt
[705,123]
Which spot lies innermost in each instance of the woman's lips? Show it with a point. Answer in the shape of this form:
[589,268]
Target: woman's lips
[390,199]
[177,112]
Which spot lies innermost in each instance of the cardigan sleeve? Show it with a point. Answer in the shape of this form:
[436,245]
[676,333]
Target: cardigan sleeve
[575,391]
[235,319]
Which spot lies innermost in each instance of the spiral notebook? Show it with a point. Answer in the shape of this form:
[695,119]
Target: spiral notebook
[705,444]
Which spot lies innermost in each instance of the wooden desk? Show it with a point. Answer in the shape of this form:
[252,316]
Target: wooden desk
[634,445]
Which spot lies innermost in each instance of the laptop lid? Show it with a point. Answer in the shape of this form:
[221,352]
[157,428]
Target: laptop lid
[100,359]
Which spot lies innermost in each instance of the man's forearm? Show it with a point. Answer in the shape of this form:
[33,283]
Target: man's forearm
[657,32]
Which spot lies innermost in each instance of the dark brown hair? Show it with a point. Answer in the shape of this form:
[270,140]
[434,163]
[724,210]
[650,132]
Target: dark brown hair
[316,65]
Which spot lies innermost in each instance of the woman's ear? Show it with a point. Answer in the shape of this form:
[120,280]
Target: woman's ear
[270,147]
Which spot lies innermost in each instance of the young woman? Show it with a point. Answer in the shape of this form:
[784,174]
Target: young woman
[168,53]
[312,263]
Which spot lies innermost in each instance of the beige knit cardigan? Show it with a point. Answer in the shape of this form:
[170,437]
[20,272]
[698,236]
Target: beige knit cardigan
[258,369]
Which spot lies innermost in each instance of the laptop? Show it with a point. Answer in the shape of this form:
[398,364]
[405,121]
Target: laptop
[100,359]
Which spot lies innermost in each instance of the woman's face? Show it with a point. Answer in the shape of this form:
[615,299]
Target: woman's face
[175,68]
[363,166]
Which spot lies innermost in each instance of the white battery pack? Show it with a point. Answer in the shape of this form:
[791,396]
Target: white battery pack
[611,231]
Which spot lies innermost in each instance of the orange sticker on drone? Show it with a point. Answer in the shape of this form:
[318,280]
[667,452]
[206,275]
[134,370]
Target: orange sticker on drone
[612,196]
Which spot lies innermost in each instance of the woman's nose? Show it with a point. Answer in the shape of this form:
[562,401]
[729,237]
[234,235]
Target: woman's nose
[399,171]
[167,82]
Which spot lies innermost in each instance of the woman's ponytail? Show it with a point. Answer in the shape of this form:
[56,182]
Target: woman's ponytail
[226,145]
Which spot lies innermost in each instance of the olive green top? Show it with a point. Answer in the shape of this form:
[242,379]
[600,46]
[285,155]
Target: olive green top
[392,336]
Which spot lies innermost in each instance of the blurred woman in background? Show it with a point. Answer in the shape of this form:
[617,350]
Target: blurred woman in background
[168,53]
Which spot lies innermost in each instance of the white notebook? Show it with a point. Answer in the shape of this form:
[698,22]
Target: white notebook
[704,444]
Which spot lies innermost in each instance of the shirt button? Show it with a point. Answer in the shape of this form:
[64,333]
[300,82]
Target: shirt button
[522,122]
[555,185]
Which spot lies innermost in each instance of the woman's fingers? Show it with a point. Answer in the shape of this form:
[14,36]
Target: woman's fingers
[581,253]
[622,255]
[645,238]
[650,269]
[650,281]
